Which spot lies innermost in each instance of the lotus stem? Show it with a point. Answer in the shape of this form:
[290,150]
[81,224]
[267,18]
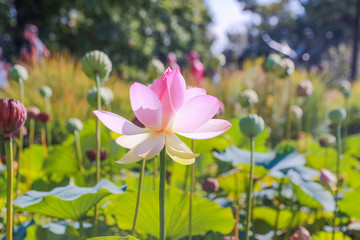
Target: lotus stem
[187,170]
[142,173]
[78,151]
[31,142]
[237,207]
[162,195]
[192,183]
[98,146]
[10,185]
[288,120]
[43,141]
[339,153]
[250,190]
[48,125]
[21,138]
[278,207]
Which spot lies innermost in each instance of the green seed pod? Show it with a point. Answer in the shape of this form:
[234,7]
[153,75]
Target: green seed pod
[19,72]
[106,96]
[45,91]
[337,116]
[252,125]
[272,61]
[96,62]
[74,124]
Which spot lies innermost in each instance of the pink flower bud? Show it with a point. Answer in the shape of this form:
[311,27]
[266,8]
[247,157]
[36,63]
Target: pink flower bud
[327,178]
[12,115]
[43,117]
[210,185]
[33,112]
[301,234]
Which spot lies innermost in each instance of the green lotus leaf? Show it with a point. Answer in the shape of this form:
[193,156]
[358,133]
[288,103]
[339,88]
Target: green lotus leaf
[70,202]
[207,215]
[113,238]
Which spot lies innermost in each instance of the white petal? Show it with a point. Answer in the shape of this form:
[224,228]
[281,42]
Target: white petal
[178,150]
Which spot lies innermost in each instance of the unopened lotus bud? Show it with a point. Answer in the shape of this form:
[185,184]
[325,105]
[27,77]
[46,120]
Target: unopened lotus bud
[304,88]
[249,97]
[45,91]
[328,179]
[12,115]
[96,62]
[18,72]
[43,117]
[297,111]
[301,234]
[106,96]
[252,125]
[297,136]
[33,112]
[327,140]
[337,116]
[3,159]
[23,129]
[210,185]
[74,124]
[91,155]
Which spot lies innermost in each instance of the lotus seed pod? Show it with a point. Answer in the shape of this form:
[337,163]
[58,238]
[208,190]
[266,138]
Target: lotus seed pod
[74,124]
[33,112]
[45,91]
[12,116]
[19,72]
[288,65]
[305,88]
[327,140]
[106,96]
[252,125]
[210,185]
[297,111]
[96,62]
[337,116]
[272,61]
[249,97]
[345,88]
[328,179]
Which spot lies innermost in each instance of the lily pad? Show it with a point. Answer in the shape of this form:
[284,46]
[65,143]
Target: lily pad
[113,238]
[207,215]
[70,202]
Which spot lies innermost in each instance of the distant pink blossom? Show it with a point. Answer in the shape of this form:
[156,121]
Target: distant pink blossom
[165,109]
[327,178]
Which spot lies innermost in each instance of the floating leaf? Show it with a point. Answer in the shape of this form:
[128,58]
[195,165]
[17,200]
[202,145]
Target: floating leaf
[286,218]
[349,204]
[113,238]
[49,232]
[207,215]
[328,235]
[70,202]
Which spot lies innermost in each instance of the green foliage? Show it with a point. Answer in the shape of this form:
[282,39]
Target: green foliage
[207,215]
[113,238]
[328,235]
[348,204]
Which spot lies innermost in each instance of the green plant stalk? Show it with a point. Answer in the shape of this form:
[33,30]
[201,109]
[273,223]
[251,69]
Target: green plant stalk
[237,207]
[18,175]
[277,216]
[142,173]
[9,189]
[187,170]
[43,141]
[162,195]
[48,125]
[81,229]
[288,119]
[98,146]
[192,185]
[31,142]
[78,151]
[339,153]
[250,190]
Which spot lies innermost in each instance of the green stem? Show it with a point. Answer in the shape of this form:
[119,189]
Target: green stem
[21,90]
[138,196]
[18,175]
[48,125]
[162,195]
[9,189]
[339,148]
[278,208]
[31,142]
[250,190]
[192,182]
[81,229]
[98,146]
[78,151]
[288,120]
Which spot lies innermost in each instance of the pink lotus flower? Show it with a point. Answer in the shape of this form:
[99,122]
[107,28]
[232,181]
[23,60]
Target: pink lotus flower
[165,109]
